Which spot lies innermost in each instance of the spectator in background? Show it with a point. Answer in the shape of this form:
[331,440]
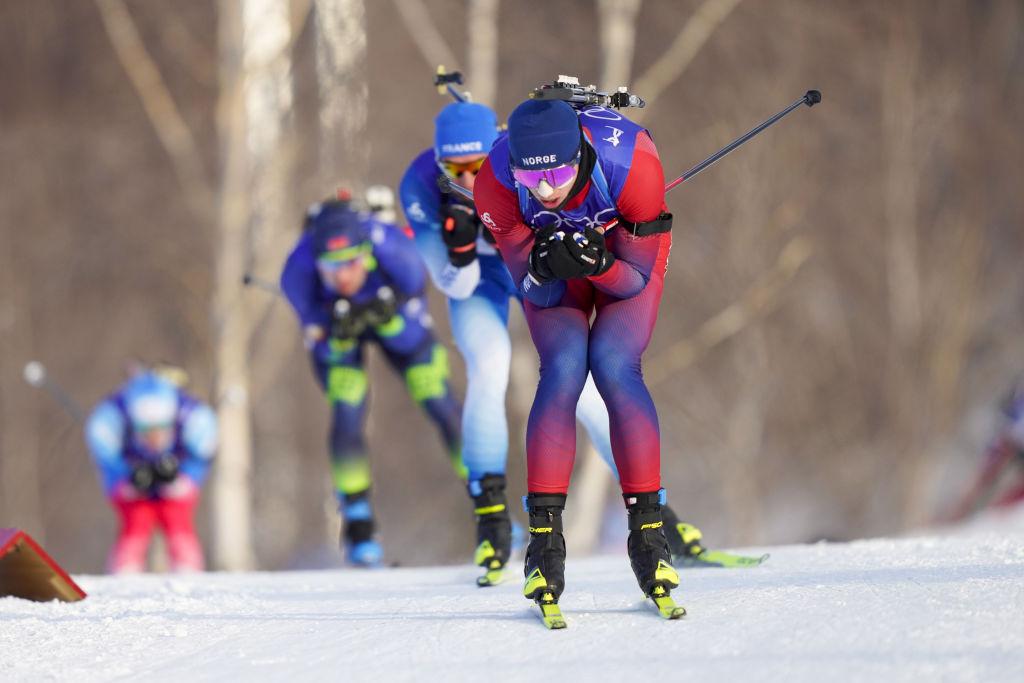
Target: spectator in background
[1005,450]
[153,443]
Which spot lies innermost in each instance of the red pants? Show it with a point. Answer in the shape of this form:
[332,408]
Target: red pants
[138,517]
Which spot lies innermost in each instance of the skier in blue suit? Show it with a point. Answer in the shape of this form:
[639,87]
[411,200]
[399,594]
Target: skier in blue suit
[465,265]
[352,280]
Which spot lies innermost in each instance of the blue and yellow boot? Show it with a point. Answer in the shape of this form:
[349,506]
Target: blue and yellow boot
[686,545]
[493,527]
[357,541]
[647,546]
[684,540]
[545,555]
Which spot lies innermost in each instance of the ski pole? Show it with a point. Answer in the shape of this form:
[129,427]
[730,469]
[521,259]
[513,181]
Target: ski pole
[444,81]
[35,374]
[255,281]
[448,185]
[810,98]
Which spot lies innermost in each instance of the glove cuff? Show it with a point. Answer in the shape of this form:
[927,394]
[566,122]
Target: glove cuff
[460,257]
[534,275]
[607,261]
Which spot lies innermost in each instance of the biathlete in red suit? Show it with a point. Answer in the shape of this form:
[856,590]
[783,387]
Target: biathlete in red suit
[153,444]
[546,191]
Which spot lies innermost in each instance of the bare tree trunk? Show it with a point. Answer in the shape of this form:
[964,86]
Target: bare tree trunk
[618,37]
[20,503]
[910,419]
[899,120]
[232,548]
[482,56]
[424,33]
[167,121]
[745,431]
[255,102]
[344,94]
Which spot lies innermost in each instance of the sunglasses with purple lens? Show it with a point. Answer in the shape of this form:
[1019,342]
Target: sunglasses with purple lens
[555,177]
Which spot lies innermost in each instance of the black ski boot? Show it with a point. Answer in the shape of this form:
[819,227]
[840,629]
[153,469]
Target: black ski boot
[545,556]
[493,526]
[647,546]
[684,540]
[357,541]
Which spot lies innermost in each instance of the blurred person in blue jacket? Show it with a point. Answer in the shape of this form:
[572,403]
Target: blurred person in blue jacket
[465,265]
[354,279]
[153,444]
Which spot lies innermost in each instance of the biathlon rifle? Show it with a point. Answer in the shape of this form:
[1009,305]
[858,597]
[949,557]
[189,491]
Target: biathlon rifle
[568,89]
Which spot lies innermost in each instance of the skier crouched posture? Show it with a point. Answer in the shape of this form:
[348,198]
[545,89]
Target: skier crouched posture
[464,264]
[544,191]
[153,444]
[353,279]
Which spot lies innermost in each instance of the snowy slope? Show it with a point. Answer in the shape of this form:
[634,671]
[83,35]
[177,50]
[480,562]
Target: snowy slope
[947,607]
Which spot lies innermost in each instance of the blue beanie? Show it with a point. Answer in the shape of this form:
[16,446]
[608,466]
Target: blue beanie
[338,232]
[464,128]
[543,134]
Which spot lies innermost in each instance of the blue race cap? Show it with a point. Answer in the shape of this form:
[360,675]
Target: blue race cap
[464,128]
[543,134]
[338,232]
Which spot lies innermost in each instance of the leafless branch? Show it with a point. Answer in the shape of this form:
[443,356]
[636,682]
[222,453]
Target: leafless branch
[167,121]
[764,296]
[424,33]
[692,37]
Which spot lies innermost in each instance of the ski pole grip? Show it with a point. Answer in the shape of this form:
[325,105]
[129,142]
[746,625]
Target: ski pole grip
[812,97]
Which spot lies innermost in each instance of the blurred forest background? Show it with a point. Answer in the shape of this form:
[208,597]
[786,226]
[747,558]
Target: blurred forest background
[843,309]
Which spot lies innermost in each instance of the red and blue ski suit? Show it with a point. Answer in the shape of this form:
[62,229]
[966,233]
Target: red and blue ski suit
[627,181]
[171,506]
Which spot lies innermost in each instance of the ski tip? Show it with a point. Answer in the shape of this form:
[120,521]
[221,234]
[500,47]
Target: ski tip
[554,623]
[550,611]
[667,607]
[671,610]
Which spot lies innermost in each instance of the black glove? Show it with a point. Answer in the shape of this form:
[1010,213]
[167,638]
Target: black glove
[591,253]
[165,469]
[349,320]
[346,321]
[459,230]
[551,259]
[380,310]
[142,477]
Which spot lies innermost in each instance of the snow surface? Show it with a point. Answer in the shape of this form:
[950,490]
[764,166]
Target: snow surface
[942,607]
